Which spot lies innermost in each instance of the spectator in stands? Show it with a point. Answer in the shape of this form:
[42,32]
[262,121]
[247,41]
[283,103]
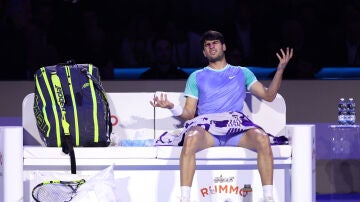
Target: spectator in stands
[94,42]
[14,31]
[216,94]
[234,55]
[306,63]
[246,34]
[163,66]
[41,50]
[135,46]
[187,52]
[344,45]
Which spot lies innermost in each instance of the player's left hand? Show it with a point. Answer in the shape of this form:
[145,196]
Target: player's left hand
[284,57]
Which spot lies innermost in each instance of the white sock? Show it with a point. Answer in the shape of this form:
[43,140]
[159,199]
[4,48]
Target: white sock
[268,191]
[185,192]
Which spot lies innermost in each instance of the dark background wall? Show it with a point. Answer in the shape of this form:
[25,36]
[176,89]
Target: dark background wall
[107,33]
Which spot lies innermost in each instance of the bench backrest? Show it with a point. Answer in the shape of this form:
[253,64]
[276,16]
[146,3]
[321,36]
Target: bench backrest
[134,118]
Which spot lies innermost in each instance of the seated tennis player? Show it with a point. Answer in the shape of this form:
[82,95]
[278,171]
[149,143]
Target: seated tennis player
[213,111]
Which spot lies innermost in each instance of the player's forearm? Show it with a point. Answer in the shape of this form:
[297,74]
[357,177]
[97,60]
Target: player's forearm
[274,86]
[187,114]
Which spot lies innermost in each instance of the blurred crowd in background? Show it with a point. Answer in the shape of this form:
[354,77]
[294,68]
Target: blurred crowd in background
[150,33]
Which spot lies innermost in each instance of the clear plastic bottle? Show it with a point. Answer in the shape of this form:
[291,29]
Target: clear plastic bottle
[351,112]
[342,111]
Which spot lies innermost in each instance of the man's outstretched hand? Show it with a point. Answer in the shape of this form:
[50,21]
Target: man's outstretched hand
[284,57]
[162,101]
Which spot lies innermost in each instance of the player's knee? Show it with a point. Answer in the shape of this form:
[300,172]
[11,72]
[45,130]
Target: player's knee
[262,140]
[192,136]
[195,131]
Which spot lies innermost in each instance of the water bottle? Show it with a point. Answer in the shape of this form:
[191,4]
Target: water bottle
[246,193]
[351,113]
[342,111]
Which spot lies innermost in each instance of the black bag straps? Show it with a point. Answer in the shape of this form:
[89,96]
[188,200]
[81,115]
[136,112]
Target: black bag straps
[99,87]
[67,146]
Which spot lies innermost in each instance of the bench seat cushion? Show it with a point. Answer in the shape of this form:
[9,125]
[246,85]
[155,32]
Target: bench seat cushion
[224,153]
[160,152]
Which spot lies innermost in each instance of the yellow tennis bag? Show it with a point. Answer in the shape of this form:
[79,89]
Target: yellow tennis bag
[71,107]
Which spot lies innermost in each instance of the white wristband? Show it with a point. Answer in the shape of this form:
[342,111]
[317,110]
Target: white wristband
[177,110]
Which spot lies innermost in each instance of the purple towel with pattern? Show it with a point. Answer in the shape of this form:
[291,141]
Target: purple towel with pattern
[227,123]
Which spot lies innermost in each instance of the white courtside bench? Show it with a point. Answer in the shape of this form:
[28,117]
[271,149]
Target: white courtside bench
[151,173]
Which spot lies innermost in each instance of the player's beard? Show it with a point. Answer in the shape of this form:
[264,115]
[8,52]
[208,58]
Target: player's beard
[216,58]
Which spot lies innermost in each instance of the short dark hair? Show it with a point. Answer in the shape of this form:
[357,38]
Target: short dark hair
[211,35]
